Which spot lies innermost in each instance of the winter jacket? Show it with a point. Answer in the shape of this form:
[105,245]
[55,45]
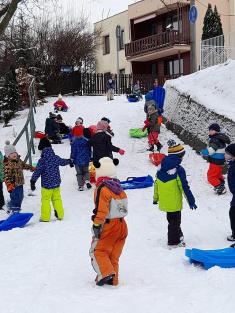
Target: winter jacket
[80,151]
[48,168]
[136,90]
[13,172]
[153,122]
[170,184]
[110,201]
[102,146]
[147,104]
[216,148]
[77,130]
[159,97]
[51,127]
[149,96]
[1,167]
[231,180]
[60,105]
[110,84]
[63,129]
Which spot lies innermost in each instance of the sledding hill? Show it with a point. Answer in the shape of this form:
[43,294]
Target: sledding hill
[45,267]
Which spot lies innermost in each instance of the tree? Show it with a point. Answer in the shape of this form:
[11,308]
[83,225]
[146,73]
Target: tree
[207,31]
[7,11]
[218,29]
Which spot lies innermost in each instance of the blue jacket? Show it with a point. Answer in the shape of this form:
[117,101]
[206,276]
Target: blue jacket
[48,168]
[171,170]
[231,180]
[159,97]
[109,84]
[80,151]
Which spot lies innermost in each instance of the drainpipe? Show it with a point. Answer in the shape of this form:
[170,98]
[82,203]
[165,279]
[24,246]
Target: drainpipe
[193,43]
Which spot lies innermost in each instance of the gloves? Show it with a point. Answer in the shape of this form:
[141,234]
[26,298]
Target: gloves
[33,168]
[121,151]
[32,185]
[10,187]
[71,163]
[155,202]
[193,207]
[96,230]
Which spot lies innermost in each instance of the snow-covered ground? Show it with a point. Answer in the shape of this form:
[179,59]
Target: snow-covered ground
[212,87]
[45,267]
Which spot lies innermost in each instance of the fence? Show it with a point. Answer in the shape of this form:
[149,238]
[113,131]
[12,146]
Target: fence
[29,127]
[217,50]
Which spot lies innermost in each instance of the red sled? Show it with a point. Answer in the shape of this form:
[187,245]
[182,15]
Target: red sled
[39,135]
[156,158]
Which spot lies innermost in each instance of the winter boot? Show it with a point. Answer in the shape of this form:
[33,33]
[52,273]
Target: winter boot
[80,188]
[159,146]
[151,148]
[106,280]
[231,238]
[88,185]
[220,190]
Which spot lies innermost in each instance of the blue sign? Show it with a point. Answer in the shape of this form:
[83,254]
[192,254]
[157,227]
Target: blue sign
[66,69]
[193,14]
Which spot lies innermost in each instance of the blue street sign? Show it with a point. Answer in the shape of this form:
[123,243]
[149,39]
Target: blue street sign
[193,14]
[66,69]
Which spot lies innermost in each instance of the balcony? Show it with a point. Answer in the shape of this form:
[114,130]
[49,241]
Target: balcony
[157,46]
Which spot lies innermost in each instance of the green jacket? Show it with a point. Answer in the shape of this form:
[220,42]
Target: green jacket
[1,167]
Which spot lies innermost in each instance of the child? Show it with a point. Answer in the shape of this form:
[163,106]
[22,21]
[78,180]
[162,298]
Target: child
[214,153]
[81,155]
[153,129]
[110,85]
[63,129]
[52,129]
[230,157]
[78,128]
[170,184]
[14,177]
[48,168]
[60,105]
[109,226]
[2,201]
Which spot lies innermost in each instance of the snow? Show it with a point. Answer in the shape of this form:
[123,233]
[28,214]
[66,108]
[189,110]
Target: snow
[212,87]
[45,267]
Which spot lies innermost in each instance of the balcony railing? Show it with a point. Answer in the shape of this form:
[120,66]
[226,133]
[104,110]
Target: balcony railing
[156,42]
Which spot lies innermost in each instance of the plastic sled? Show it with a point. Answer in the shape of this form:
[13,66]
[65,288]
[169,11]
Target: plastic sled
[39,135]
[65,136]
[224,258]
[137,133]
[15,220]
[132,98]
[156,158]
[137,182]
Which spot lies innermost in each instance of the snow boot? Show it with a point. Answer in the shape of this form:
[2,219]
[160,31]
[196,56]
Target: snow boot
[220,190]
[231,238]
[151,148]
[80,188]
[159,146]
[108,280]
[88,185]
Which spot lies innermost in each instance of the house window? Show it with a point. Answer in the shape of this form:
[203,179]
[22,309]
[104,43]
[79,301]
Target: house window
[172,23]
[106,47]
[174,67]
[121,40]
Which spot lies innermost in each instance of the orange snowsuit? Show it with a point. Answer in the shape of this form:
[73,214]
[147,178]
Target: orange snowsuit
[110,209]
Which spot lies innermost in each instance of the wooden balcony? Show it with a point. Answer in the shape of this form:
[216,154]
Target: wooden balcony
[157,46]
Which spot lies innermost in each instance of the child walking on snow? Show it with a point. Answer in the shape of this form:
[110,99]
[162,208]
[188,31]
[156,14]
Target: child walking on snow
[48,168]
[170,184]
[14,177]
[81,155]
[214,154]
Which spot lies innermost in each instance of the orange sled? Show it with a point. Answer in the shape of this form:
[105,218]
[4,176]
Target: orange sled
[156,158]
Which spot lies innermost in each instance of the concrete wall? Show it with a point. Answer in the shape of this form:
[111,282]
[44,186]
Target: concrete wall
[232,12]
[108,62]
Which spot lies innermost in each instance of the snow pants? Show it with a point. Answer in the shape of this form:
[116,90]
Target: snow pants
[16,196]
[106,251]
[110,94]
[174,229]
[153,138]
[2,201]
[214,175]
[48,196]
[232,219]
[82,174]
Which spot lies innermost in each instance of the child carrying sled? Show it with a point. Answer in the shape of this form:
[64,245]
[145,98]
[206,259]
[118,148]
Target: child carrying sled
[109,226]
[48,168]
[170,184]
[14,177]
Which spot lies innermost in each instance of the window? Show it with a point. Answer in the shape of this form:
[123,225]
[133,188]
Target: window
[121,40]
[173,22]
[106,47]
[174,67]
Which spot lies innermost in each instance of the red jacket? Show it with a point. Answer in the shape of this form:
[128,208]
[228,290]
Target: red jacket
[60,104]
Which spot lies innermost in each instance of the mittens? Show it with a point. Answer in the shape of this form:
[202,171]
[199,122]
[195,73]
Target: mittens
[121,151]
[32,185]
[96,230]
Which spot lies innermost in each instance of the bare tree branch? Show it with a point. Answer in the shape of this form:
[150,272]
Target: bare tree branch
[12,7]
[4,10]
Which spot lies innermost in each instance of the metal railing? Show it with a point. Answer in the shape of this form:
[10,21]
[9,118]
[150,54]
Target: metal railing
[29,127]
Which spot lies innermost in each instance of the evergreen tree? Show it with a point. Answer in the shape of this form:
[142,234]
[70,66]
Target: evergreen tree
[207,31]
[218,29]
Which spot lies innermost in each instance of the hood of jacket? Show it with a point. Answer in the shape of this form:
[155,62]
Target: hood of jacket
[222,137]
[170,162]
[48,153]
[112,183]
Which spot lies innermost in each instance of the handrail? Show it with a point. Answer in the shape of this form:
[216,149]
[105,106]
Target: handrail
[29,127]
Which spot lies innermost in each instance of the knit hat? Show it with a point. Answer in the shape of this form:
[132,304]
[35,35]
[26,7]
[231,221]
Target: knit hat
[60,96]
[230,149]
[106,167]
[59,117]
[102,125]
[215,127]
[106,120]
[174,148]
[52,115]
[87,133]
[9,149]
[79,120]
[44,143]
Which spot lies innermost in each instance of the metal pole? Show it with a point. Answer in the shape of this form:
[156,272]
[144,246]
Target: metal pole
[118,74]
[193,43]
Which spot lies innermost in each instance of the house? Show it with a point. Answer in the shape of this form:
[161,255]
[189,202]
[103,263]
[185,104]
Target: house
[159,39]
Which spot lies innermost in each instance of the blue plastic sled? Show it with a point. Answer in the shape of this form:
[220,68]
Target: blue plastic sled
[15,220]
[224,258]
[137,182]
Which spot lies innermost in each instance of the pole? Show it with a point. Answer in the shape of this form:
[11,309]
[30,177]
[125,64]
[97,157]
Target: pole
[118,74]
[193,43]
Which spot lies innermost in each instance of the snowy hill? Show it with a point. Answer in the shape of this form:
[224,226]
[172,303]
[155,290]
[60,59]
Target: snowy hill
[45,267]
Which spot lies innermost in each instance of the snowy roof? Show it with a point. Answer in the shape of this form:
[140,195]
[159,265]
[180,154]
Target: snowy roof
[213,87]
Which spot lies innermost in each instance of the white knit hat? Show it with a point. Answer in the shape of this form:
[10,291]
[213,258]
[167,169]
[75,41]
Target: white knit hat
[9,149]
[60,96]
[106,167]
[79,120]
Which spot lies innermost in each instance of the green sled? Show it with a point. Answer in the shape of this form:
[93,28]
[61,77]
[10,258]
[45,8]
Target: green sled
[137,133]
